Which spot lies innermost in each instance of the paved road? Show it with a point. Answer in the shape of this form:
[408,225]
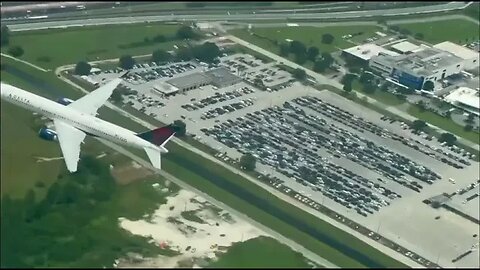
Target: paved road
[25,62]
[240,25]
[321,79]
[237,17]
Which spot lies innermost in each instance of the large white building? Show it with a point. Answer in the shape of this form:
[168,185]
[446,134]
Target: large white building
[366,51]
[465,98]
[470,57]
[412,70]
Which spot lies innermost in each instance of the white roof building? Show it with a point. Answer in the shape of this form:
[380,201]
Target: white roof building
[405,47]
[470,57]
[165,88]
[367,51]
[465,98]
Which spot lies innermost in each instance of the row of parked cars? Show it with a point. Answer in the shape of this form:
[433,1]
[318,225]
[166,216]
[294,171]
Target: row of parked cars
[227,109]
[435,152]
[361,125]
[217,97]
[144,73]
[291,147]
[371,155]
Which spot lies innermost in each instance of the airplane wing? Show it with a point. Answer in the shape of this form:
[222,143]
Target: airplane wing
[91,102]
[70,139]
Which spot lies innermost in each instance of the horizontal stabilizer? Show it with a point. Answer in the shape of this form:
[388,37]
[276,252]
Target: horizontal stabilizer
[155,157]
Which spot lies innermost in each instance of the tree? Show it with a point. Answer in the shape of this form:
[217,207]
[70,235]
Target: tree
[207,52]
[418,36]
[184,54]
[298,47]
[186,32]
[126,62]
[366,77]
[16,51]
[161,56]
[320,66]
[284,49]
[327,38]
[312,53]
[348,78]
[470,118]
[448,138]
[299,74]
[327,57]
[248,162]
[418,125]
[428,86]
[5,35]
[180,128]
[301,58]
[82,68]
[468,127]
[347,87]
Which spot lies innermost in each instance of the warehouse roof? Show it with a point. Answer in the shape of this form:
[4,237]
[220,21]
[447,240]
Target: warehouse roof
[220,75]
[189,80]
[465,96]
[405,46]
[457,50]
[369,50]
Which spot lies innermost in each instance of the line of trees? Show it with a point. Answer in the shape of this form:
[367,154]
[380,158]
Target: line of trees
[302,54]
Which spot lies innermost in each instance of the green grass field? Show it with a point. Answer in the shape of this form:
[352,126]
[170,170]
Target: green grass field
[261,252]
[309,35]
[20,144]
[381,96]
[89,43]
[444,123]
[456,30]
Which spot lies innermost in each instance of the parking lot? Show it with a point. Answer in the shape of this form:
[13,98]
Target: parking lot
[330,150]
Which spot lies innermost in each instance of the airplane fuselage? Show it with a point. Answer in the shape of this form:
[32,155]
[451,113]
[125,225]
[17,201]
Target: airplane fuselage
[85,122]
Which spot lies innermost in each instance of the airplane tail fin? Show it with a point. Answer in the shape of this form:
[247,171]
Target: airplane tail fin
[159,136]
[155,157]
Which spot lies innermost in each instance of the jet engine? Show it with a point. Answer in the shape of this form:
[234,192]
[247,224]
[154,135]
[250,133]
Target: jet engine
[48,134]
[64,101]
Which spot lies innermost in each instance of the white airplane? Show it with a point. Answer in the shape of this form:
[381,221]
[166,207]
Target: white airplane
[72,120]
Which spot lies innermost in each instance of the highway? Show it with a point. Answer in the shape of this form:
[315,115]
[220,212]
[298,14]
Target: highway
[236,17]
